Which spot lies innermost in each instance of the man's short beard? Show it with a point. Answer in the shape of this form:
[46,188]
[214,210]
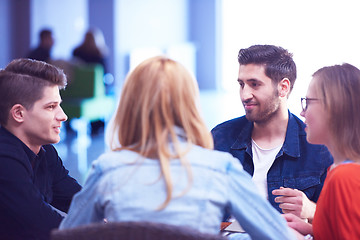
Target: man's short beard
[272,107]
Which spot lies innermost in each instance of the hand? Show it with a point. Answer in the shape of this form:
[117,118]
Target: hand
[295,202]
[298,224]
[298,235]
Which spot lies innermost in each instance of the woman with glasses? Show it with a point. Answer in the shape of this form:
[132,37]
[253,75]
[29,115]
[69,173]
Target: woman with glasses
[332,116]
[162,167]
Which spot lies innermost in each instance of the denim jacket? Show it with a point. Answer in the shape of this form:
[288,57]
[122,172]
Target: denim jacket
[298,165]
[123,186]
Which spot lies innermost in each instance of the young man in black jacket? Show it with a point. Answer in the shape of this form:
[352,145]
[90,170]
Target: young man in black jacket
[33,180]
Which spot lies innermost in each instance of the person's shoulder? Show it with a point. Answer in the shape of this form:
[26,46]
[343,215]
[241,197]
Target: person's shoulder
[11,149]
[346,172]
[233,124]
[12,153]
[9,144]
[216,160]
[296,121]
[344,180]
[114,159]
[226,133]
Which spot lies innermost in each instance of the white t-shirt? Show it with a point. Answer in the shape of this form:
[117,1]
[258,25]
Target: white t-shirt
[263,159]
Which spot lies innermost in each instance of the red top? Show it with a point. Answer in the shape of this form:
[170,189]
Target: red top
[337,213]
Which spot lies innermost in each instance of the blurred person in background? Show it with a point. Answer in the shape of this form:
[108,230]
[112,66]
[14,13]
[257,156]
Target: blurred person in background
[93,49]
[43,51]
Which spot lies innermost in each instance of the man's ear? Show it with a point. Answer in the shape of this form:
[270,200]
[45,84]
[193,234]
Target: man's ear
[284,87]
[17,113]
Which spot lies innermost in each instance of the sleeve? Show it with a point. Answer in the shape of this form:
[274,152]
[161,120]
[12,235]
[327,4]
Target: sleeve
[63,186]
[21,200]
[342,206]
[253,212]
[85,207]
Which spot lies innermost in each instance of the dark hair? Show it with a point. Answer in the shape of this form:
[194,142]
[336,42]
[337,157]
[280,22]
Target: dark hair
[45,33]
[22,82]
[278,62]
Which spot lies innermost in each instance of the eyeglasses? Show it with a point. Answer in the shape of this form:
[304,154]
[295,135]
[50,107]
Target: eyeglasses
[305,102]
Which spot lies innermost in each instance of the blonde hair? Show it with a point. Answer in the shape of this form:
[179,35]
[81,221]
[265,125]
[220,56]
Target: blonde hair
[338,88]
[158,95]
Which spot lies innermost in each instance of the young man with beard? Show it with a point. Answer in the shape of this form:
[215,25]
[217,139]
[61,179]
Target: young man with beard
[269,141]
[33,180]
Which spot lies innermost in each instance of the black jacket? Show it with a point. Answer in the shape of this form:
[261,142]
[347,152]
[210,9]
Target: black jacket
[29,184]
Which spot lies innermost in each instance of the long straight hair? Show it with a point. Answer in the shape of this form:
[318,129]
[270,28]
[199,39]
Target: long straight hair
[338,88]
[159,95]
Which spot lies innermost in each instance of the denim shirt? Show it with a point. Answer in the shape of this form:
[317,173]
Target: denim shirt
[124,186]
[298,165]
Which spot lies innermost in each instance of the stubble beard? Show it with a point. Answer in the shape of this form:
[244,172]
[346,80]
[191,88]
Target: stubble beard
[270,109]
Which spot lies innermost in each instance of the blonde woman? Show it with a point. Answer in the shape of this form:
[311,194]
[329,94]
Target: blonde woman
[162,167]
[332,112]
